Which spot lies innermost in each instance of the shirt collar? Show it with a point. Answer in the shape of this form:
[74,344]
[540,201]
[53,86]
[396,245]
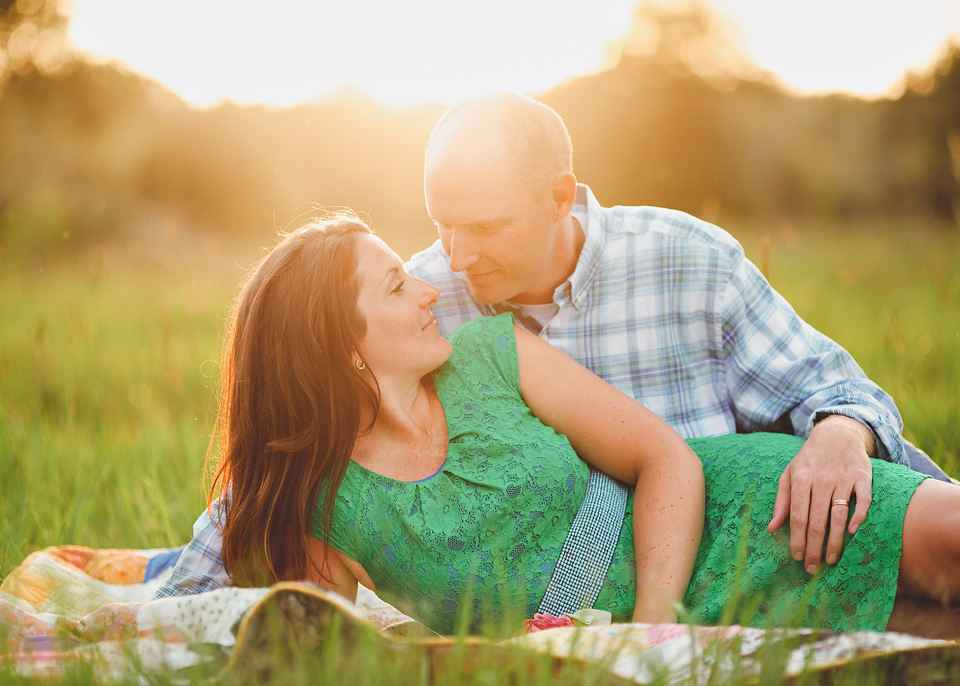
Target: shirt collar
[589,213]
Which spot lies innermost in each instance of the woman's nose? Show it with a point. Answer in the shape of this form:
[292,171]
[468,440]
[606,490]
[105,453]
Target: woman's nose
[430,293]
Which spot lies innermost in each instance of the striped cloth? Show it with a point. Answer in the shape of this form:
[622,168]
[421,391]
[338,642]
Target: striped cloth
[200,566]
[585,557]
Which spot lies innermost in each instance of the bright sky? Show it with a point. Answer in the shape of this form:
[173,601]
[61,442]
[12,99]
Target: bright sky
[285,52]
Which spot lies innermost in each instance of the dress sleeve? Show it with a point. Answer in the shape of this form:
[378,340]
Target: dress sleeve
[483,346]
[778,366]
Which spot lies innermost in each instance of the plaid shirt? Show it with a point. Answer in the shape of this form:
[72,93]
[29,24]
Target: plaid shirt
[200,566]
[667,308]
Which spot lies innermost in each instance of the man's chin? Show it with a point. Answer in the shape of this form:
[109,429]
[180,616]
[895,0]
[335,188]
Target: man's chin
[487,296]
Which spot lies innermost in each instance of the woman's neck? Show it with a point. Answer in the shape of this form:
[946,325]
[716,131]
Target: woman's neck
[404,411]
[408,440]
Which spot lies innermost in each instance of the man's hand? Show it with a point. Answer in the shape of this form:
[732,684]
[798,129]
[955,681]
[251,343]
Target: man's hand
[833,464]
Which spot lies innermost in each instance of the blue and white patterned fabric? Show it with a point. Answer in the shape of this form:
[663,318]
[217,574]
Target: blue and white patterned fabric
[667,308]
[200,566]
[585,557]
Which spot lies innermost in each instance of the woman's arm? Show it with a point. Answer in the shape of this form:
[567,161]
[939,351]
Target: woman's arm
[342,573]
[617,435]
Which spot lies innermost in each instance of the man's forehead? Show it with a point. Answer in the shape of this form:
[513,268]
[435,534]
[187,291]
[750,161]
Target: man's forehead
[469,171]
[469,181]
[474,199]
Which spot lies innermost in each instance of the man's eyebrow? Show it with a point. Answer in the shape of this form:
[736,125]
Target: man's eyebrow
[494,221]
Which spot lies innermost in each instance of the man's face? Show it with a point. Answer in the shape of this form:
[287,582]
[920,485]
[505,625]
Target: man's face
[495,231]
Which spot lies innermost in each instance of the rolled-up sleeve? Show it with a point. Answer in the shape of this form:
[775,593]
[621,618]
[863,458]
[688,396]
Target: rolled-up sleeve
[779,367]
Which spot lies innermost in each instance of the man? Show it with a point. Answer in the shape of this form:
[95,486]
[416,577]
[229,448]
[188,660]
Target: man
[658,303]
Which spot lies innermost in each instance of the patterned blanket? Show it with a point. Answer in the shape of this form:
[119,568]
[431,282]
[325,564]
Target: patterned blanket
[69,605]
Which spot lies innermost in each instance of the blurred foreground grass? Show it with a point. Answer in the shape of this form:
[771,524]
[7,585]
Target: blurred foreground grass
[108,365]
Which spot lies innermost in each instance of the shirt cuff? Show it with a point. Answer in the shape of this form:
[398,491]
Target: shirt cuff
[888,440]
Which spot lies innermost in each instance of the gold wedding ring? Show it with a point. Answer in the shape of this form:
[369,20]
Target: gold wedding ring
[841,501]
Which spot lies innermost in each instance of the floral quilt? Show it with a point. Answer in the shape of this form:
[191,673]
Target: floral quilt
[68,605]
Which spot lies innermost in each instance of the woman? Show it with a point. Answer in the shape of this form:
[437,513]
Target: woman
[359,446]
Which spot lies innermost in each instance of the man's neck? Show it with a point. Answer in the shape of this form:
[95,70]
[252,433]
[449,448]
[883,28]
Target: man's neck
[567,251]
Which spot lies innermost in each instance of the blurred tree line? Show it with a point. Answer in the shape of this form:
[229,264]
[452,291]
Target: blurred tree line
[91,153]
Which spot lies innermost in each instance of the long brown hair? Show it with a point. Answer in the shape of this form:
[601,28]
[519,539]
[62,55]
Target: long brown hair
[291,397]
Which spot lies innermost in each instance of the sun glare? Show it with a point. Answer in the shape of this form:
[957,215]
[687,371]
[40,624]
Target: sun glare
[859,46]
[290,51]
[293,51]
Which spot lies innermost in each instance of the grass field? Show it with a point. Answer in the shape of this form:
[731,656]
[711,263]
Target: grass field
[108,364]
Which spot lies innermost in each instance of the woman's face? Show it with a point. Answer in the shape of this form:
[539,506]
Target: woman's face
[402,337]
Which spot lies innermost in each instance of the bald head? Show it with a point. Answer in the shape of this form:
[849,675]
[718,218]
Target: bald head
[530,138]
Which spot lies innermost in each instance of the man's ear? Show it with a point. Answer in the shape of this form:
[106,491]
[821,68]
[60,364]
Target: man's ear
[563,189]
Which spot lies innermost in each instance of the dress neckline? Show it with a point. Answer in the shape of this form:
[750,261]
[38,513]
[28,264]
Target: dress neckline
[446,457]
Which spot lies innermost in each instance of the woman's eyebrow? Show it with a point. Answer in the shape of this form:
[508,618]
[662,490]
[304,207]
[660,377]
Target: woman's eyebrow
[391,271]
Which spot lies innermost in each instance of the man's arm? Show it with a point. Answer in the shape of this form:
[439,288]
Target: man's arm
[779,368]
[200,567]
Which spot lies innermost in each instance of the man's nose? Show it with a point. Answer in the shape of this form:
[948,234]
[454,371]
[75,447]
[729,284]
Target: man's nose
[460,250]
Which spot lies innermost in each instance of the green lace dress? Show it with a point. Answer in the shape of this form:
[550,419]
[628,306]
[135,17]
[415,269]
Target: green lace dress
[475,543]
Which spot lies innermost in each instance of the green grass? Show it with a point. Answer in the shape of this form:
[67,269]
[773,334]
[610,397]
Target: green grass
[108,363]
[107,370]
